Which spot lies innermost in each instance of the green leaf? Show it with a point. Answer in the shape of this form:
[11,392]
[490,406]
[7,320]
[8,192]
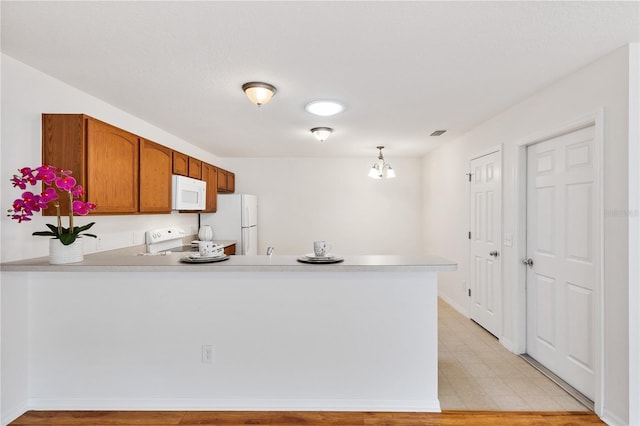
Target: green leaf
[90,235]
[67,239]
[46,234]
[78,229]
[53,228]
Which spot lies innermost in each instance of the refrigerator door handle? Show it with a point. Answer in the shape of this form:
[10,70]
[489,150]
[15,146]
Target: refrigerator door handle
[245,241]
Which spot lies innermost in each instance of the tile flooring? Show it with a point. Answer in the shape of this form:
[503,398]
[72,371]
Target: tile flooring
[477,373]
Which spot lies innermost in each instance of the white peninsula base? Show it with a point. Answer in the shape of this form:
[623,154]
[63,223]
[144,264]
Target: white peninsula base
[282,340]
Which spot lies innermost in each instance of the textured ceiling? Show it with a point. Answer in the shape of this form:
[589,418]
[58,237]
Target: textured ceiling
[403,69]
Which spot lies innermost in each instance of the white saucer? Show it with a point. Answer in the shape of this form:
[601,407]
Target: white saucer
[188,259]
[313,256]
[197,255]
[320,260]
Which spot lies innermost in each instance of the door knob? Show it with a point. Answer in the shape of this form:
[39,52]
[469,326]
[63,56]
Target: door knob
[494,253]
[528,261]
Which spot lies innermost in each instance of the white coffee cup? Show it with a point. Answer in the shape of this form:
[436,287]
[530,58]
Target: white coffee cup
[321,248]
[205,248]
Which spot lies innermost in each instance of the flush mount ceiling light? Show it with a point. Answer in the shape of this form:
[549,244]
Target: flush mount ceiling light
[259,93]
[380,169]
[324,108]
[322,133]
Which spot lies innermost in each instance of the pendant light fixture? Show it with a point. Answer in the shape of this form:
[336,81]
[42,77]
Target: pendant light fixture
[259,93]
[380,168]
[322,133]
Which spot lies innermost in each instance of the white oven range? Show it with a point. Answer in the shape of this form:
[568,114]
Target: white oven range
[165,239]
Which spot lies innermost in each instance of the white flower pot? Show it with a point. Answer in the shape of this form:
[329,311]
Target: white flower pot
[61,254]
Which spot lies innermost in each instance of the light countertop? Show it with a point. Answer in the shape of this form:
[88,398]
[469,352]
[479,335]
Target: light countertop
[128,260]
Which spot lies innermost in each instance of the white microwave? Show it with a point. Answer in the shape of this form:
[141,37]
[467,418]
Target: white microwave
[188,193]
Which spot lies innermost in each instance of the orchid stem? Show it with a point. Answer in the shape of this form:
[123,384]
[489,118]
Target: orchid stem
[70,212]
[59,220]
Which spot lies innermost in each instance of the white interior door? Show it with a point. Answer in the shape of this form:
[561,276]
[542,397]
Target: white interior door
[562,246]
[485,216]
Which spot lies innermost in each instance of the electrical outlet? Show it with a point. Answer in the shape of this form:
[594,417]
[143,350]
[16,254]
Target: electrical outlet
[139,237]
[207,354]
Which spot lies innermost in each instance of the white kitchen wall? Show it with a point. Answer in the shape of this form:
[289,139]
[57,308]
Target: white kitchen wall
[634,235]
[305,199]
[26,94]
[602,85]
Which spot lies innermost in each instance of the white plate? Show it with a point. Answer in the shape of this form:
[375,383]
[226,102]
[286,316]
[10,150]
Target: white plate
[188,259]
[198,256]
[325,257]
[319,261]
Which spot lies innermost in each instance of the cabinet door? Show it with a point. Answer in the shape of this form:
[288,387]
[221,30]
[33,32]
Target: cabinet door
[155,177]
[222,180]
[226,181]
[63,146]
[112,159]
[231,182]
[180,164]
[195,168]
[210,175]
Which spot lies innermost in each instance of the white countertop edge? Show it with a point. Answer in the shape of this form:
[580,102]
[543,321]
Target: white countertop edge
[209,268]
[130,263]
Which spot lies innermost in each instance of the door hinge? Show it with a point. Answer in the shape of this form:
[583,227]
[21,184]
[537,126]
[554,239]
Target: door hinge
[469,176]
[469,291]
[469,234]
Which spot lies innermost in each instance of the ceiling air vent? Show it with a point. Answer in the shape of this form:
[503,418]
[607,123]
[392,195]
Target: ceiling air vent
[437,133]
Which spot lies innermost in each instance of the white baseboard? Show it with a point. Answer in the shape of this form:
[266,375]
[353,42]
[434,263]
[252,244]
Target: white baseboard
[507,344]
[10,415]
[187,404]
[612,419]
[454,305]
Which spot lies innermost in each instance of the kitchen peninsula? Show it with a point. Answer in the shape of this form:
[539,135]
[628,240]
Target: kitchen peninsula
[119,331]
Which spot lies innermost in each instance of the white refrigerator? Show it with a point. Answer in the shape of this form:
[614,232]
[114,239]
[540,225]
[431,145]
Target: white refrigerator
[235,219]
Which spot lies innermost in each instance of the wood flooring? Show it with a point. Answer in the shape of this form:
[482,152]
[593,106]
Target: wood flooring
[287,418]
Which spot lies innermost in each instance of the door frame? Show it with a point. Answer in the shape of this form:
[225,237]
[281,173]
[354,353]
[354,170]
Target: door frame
[488,151]
[519,272]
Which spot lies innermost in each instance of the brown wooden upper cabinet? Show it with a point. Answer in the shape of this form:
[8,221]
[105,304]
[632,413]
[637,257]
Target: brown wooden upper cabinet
[103,158]
[226,181]
[210,176]
[195,168]
[180,164]
[122,173]
[155,177]
[231,182]
[186,166]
